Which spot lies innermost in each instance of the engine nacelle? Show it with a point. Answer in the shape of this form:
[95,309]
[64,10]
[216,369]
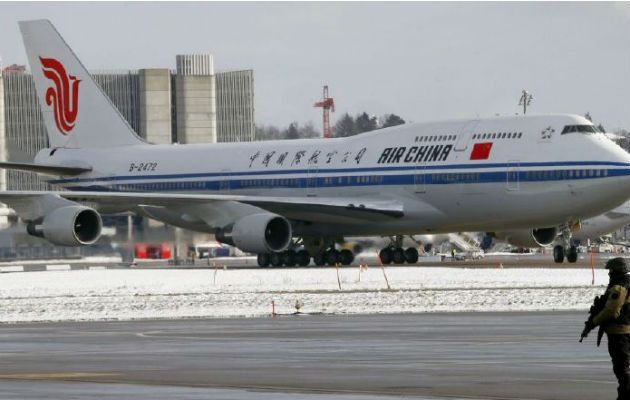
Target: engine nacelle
[258,233]
[68,226]
[528,237]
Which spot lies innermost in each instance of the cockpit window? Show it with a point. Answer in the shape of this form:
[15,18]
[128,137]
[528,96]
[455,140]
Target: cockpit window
[579,128]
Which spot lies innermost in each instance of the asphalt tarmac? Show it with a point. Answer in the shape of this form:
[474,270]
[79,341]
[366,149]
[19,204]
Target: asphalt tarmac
[453,356]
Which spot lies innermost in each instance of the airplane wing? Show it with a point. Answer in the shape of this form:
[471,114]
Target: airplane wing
[316,209]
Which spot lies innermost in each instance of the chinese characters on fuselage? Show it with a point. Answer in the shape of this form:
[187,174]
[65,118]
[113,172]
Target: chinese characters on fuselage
[389,155]
[313,157]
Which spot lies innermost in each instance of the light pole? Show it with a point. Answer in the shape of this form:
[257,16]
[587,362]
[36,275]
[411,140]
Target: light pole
[526,99]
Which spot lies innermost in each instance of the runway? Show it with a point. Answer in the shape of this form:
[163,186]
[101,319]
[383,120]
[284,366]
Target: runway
[532,355]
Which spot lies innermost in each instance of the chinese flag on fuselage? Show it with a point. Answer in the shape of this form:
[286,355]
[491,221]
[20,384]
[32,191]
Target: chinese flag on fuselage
[481,151]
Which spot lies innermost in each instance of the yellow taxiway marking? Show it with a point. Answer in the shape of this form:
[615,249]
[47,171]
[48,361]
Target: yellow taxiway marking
[58,375]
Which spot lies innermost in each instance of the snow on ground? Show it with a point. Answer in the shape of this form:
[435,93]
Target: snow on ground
[172,293]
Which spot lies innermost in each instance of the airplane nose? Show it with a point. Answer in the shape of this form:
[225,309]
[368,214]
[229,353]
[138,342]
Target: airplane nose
[607,173]
[617,162]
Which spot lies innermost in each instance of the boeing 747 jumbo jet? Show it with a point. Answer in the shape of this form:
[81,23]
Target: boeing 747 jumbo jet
[291,200]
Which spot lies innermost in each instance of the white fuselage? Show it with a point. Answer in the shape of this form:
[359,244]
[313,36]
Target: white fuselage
[468,175]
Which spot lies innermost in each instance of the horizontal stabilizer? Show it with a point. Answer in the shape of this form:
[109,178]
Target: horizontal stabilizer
[46,169]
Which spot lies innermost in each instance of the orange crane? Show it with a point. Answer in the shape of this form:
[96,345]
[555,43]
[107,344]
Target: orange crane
[328,104]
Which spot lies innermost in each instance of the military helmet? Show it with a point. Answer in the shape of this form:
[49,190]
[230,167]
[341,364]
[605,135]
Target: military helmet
[617,266]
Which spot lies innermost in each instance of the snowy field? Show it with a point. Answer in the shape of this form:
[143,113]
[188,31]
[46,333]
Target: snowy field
[136,294]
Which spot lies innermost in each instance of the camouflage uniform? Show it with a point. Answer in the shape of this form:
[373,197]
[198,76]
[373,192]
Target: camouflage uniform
[615,320]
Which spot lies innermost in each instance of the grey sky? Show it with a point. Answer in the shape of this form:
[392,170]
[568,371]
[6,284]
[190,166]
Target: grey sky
[423,61]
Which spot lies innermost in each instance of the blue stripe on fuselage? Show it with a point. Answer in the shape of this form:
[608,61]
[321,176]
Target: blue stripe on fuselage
[316,169]
[365,180]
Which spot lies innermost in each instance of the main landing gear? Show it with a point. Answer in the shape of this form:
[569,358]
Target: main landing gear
[290,258]
[394,253]
[566,249]
[330,256]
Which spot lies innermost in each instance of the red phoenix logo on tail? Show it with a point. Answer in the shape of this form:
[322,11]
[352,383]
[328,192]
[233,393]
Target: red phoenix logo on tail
[63,98]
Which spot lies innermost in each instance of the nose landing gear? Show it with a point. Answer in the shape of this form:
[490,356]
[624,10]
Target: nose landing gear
[566,248]
[559,252]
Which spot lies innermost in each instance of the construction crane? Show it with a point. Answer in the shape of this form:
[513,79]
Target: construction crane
[327,104]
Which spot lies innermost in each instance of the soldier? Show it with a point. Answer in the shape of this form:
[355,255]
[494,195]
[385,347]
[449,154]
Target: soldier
[614,319]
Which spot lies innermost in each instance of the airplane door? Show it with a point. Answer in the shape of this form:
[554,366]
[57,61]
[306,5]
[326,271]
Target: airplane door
[512,176]
[419,178]
[311,181]
[464,135]
[224,184]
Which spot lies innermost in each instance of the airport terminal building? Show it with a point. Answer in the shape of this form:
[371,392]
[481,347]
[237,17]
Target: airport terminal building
[193,104]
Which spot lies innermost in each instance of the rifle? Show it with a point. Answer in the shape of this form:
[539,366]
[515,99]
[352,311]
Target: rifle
[598,305]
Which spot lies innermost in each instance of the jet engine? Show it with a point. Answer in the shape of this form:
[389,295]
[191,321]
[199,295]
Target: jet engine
[68,226]
[528,238]
[258,233]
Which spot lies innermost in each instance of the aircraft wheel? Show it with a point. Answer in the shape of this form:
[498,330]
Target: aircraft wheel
[398,255]
[276,259]
[289,258]
[558,254]
[303,258]
[332,257]
[572,254]
[346,257]
[263,260]
[386,255]
[319,259]
[411,255]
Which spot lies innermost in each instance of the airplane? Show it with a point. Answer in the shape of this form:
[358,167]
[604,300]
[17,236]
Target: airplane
[275,197]
[589,229]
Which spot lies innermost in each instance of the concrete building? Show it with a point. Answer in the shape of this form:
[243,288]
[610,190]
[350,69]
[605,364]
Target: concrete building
[195,97]
[235,114]
[3,149]
[24,130]
[155,106]
[193,104]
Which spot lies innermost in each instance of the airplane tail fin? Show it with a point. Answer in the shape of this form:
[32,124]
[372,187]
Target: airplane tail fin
[76,112]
